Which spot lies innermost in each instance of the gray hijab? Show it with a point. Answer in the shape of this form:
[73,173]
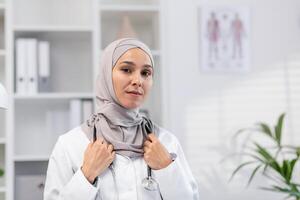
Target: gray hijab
[125,129]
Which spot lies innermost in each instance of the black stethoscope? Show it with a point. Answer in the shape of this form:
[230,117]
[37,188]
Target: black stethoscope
[149,183]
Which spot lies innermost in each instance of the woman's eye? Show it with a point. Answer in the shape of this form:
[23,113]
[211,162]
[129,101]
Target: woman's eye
[146,73]
[126,70]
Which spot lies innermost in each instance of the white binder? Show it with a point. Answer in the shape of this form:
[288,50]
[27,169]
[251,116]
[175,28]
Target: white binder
[44,66]
[32,66]
[21,66]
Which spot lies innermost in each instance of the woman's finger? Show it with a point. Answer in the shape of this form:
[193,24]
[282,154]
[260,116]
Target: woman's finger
[100,140]
[113,154]
[147,143]
[146,149]
[152,137]
[90,144]
[110,148]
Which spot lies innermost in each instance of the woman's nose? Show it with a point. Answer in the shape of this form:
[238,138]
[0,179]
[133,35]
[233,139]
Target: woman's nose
[137,80]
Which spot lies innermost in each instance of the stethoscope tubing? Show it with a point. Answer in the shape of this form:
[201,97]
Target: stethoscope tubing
[149,170]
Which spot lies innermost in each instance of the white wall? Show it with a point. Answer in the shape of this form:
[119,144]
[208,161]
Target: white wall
[204,109]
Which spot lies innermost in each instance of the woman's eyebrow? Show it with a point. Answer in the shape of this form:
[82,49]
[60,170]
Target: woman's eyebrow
[148,66]
[132,63]
[128,62]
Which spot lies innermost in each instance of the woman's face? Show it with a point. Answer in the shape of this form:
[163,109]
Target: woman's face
[132,78]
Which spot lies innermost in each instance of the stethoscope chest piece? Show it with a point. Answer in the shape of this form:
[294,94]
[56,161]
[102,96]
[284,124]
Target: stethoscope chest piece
[150,184]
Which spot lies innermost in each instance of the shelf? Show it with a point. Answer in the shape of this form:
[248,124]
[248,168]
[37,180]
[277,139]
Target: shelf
[130,8]
[70,60]
[53,28]
[48,120]
[30,158]
[55,96]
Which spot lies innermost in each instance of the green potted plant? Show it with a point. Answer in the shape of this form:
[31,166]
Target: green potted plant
[275,162]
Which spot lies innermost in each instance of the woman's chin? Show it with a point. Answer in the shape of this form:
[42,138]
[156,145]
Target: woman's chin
[131,105]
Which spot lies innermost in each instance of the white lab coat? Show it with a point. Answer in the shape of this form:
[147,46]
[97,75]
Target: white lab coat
[65,180]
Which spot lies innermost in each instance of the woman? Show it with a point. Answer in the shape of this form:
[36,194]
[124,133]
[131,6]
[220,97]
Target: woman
[119,153]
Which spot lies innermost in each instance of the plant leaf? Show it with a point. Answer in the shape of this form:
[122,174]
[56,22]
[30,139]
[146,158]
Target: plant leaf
[278,128]
[239,168]
[253,174]
[284,190]
[265,129]
[269,160]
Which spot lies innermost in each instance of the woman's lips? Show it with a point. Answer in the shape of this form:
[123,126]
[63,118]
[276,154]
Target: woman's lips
[134,93]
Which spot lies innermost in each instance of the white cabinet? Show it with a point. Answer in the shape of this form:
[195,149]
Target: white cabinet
[77,31]
[3,114]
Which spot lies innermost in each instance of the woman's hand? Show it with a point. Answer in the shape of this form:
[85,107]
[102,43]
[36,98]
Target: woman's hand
[97,157]
[155,154]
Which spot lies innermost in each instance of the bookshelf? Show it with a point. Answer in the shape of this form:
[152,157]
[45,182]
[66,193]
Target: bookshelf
[77,32]
[3,113]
